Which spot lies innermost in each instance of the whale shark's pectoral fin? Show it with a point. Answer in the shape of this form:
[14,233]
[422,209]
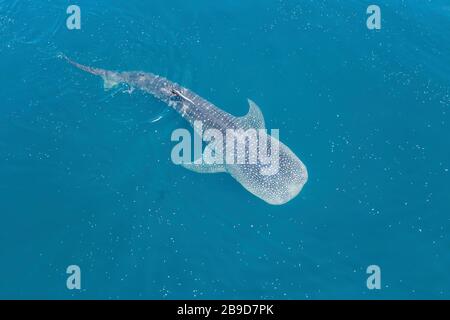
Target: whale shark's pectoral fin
[204,168]
[254,118]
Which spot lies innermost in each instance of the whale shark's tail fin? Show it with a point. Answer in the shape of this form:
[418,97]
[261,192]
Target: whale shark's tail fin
[110,78]
[95,71]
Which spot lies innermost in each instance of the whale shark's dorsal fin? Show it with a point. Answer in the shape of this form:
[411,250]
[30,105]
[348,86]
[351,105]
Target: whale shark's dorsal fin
[254,118]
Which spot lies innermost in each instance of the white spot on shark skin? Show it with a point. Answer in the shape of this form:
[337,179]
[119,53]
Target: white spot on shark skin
[184,110]
[276,189]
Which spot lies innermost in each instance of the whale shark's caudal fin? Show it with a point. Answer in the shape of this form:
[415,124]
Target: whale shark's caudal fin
[110,79]
[254,119]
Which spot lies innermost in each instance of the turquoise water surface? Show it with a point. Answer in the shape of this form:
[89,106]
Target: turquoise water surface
[86,177]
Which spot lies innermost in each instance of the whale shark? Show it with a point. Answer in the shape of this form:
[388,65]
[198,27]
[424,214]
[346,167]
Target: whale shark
[276,188]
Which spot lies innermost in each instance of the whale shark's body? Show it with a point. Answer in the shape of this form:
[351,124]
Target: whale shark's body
[275,189]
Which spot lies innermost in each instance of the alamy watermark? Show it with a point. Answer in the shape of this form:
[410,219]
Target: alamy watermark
[232,146]
[374,20]
[74,280]
[374,280]
[73,22]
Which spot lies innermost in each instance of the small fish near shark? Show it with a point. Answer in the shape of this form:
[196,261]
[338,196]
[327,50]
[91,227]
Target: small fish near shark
[277,188]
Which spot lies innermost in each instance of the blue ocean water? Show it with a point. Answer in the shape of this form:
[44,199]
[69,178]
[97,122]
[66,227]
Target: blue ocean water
[86,177]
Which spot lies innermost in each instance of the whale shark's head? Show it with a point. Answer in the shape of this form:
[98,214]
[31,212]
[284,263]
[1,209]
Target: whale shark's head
[277,186]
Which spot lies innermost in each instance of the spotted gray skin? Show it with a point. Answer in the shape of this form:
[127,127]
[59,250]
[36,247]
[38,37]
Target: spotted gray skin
[275,189]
